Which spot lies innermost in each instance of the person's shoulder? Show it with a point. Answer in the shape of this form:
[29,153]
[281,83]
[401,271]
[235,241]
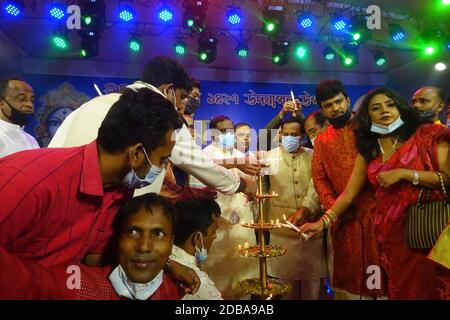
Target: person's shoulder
[168,289]
[432,130]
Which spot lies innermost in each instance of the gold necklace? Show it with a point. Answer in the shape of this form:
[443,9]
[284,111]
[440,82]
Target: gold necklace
[387,154]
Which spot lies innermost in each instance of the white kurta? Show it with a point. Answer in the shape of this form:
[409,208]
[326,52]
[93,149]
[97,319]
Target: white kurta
[14,139]
[207,290]
[224,265]
[291,180]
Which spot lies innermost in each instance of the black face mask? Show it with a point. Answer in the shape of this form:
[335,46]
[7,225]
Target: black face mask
[191,106]
[427,116]
[341,120]
[17,117]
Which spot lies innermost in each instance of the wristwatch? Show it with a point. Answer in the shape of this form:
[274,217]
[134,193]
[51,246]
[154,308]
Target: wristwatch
[415,178]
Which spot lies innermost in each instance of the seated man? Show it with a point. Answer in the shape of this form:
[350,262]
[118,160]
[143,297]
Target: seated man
[196,222]
[140,246]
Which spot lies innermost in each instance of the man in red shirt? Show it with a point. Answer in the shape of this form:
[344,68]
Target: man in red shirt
[141,245]
[57,205]
[353,236]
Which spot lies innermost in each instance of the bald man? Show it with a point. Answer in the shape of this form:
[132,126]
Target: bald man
[429,101]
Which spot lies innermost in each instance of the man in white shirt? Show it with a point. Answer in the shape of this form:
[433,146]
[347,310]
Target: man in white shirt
[167,77]
[16,110]
[224,265]
[196,223]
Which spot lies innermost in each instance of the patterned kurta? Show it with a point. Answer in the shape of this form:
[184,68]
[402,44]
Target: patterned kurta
[353,238]
[290,178]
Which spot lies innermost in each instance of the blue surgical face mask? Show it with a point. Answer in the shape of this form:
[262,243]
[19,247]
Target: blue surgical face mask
[290,143]
[201,254]
[384,130]
[132,180]
[227,140]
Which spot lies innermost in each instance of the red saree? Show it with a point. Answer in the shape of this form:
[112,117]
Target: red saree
[410,274]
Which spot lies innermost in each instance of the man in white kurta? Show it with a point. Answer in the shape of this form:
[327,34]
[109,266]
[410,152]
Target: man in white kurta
[16,107]
[81,127]
[207,290]
[224,265]
[303,265]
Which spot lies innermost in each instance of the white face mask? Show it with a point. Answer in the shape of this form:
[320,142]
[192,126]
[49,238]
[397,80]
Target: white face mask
[384,130]
[313,140]
[174,98]
[134,291]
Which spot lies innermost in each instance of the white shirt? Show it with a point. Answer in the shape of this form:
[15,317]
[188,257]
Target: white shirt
[81,127]
[14,139]
[207,290]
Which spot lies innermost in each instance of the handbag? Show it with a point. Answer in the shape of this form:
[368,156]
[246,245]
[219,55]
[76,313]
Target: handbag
[426,220]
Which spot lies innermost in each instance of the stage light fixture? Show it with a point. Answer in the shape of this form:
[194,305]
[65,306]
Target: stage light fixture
[329,54]
[281,52]
[358,29]
[242,50]
[339,22]
[350,55]
[135,44]
[234,16]
[179,47]
[304,20]
[433,42]
[397,33]
[379,58]
[274,12]
[194,16]
[57,11]
[165,14]
[89,47]
[207,49]
[93,16]
[126,13]
[301,50]
[440,66]
[13,8]
[60,40]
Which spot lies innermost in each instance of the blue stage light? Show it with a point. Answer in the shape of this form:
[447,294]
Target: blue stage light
[13,8]
[126,13]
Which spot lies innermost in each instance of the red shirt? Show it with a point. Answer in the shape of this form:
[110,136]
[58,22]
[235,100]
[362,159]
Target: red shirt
[53,208]
[29,280]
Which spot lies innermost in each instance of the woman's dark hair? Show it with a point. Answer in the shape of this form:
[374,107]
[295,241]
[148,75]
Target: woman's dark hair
[146,201]
[138,116]
[367,141]
[328,89]
[194,213]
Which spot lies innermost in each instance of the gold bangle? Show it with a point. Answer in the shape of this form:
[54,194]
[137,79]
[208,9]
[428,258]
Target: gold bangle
[331,215]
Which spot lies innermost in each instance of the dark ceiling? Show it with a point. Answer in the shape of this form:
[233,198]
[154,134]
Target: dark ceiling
[31,33]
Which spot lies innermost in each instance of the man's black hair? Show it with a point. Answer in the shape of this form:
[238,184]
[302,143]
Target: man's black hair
[165,70]
[328,89]
[4,83]
[216,120]
[141,116]
[194,214]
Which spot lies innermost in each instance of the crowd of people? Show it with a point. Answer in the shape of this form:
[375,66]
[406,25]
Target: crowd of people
[124,204]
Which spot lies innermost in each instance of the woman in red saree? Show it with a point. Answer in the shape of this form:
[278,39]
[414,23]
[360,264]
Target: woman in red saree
[399,156]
